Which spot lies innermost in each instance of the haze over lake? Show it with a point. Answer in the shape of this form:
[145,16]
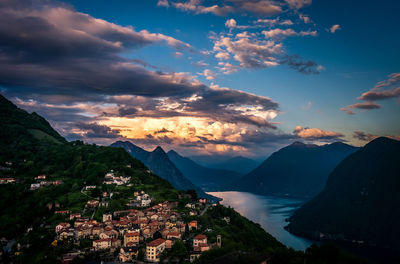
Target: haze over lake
[270,212]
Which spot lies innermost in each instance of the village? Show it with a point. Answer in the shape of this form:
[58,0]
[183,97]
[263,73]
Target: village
[145,233]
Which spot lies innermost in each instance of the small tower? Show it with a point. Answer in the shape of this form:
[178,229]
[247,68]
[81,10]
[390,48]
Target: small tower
[219,241]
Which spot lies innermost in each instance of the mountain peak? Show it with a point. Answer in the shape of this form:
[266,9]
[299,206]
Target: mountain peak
[159,149]
[297,144]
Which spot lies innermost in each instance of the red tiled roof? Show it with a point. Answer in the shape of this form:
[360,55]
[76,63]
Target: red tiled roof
[156,242]
[132,234]
[102,240]
[200,237]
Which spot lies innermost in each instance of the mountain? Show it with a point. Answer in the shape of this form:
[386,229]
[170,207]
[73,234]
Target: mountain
[296,170]
[361,200]
[207,178]
[159,162]
[17,125]
[237,164]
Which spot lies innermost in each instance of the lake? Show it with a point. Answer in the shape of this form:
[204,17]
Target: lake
[268,211]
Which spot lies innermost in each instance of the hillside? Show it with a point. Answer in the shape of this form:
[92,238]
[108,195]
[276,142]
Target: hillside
[298,170]
[361,200]
[207,178]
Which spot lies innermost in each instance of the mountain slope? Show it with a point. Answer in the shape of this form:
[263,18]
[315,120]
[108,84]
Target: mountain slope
[207,178]
[295,170]
[158,162]
[17,123]
[361,200]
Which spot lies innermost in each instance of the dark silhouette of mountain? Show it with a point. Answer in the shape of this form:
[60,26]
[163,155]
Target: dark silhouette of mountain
[361,200]
[207,178]
[238,164]
[296,170]
[159,163]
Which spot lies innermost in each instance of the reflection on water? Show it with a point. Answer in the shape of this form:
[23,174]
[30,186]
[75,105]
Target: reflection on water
[270,212]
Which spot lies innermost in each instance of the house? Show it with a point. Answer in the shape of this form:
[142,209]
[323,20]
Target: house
[102,244]
[35,186]
[201,247]
[66,233]
[107,217]
[175,235]
[62,212]
[131,238]
[154,249]
[194,255]
[92,203]
[126,254]
[203,200]
[73,216]
[199,239]
[192,225]
[40,177]
[145,202]
[62,226]
[6,180]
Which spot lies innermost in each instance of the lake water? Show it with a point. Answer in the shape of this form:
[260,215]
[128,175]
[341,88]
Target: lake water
[268,211]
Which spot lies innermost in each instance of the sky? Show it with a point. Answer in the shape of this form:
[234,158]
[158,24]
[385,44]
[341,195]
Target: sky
[202,77]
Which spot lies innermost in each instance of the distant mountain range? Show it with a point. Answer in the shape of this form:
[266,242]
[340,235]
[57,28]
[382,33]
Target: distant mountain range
[237,164]
[296,170]
[159,163]
[361,200]
[207,178]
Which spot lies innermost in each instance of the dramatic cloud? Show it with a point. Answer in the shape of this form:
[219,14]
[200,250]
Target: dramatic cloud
[316,133]
[70,67]
[376,93]
[334,28]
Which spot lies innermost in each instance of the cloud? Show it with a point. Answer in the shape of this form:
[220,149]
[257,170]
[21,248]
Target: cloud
[297,4]
[178,54]
[94,130]
[376,93]
[273,22]
[255,7]
[363,106]
[201,64]
[380,95]
[209,74]
[363,136]
[316,133]
[230,23]
[306,19]
[163,3]
[250,53]
[301,65]
[283,33]
[334,28]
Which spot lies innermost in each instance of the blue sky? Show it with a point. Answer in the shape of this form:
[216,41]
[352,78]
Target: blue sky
[318,64]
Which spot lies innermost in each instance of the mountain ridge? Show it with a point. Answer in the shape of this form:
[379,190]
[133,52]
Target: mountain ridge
[360,200]
[298,170]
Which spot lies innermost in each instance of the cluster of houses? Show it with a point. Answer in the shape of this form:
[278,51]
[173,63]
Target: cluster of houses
[141,199]
[111,178]
[6,180]
[42,182]
[126,231]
